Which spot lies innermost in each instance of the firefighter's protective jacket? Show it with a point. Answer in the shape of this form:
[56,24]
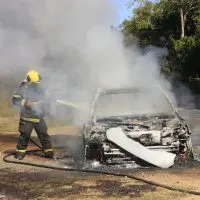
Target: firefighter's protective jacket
[33,93]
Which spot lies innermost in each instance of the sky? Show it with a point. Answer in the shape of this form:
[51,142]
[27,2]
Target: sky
[122,9]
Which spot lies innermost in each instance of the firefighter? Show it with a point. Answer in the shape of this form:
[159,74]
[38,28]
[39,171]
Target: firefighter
[31,99]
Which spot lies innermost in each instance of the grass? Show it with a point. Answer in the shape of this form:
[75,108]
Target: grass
[162,194]
[87,193]
[9,120]
[57,186]
[9,124]
[7,110]
[8,117]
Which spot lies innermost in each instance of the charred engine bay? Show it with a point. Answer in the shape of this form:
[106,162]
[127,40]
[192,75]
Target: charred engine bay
[157,132]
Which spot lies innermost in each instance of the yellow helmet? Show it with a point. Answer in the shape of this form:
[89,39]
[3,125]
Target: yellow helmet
[33,76]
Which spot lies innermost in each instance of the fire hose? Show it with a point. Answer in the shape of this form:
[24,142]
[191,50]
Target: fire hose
[118,174]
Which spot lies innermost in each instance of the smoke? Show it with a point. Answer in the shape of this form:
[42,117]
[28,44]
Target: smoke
[74,47]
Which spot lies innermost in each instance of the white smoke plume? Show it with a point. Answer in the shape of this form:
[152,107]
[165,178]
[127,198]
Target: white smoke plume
[73,46]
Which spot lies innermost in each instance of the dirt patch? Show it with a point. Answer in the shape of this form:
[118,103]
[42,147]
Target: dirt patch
[187,178]
[115,188]
[26,185]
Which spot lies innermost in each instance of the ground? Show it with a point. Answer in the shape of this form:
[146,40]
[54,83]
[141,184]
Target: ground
[25,182]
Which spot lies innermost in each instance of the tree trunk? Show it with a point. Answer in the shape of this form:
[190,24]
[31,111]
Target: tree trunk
[182,23]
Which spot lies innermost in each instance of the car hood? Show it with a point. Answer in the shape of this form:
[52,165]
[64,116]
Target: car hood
[142,122]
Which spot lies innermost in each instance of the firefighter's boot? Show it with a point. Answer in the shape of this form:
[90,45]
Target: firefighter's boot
[49,154]
[19,155]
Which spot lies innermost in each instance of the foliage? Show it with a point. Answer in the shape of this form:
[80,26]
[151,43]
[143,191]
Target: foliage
[187,59]
[174,24]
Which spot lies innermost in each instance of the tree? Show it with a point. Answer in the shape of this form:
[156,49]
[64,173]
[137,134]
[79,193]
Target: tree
[155,23]
[131,3]
[151,24]
[184,7]
[141,24]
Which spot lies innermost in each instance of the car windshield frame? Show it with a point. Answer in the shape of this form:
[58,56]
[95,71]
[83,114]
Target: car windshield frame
[129,91]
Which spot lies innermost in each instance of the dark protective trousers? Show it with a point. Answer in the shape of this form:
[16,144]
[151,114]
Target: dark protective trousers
[26,128]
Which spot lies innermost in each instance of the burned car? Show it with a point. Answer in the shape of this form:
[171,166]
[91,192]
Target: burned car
[145,116]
